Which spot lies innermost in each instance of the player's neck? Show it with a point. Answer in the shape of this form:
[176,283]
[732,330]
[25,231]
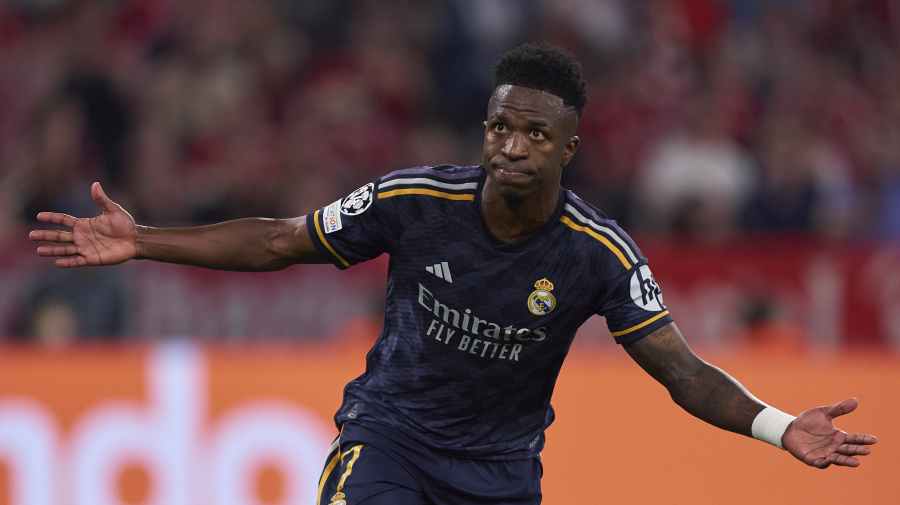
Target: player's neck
[512,219]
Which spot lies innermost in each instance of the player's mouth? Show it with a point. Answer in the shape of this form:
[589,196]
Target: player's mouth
[510,173]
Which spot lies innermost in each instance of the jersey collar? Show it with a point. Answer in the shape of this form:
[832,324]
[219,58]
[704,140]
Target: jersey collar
[527,242]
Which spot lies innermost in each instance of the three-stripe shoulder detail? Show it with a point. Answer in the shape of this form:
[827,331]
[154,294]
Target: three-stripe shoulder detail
[610,236]
[420,184]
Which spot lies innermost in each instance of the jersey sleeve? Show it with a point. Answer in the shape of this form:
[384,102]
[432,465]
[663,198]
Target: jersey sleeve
[353,229]
[633,306]
[626,294]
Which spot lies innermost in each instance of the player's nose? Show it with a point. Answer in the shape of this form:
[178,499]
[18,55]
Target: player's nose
[515,147]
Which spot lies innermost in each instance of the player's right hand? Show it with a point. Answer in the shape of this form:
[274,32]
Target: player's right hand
[107,239]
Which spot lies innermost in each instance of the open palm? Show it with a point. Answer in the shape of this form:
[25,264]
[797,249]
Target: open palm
[813,438]
[106,239]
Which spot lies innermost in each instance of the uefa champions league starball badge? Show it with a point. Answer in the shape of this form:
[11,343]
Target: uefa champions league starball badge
[338,499]
[357,202]
[541,302]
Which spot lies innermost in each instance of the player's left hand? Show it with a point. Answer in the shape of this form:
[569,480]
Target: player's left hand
[813,438]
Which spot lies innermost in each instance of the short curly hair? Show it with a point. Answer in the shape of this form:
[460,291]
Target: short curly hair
[545,67]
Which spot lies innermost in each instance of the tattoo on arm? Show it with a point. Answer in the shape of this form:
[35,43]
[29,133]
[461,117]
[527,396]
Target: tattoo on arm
[701,389]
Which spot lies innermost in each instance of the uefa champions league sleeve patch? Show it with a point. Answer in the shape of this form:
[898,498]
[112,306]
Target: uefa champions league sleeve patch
[359,201]
[331,218]
[644,290]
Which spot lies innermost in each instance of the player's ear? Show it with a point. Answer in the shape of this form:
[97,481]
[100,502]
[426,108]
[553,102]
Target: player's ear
[569,150]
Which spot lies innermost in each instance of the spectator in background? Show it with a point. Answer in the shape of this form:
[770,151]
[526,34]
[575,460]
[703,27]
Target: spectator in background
[56,162]
[695,179]
[805,184]
[63,306]
[881,180]
[199,96]
[718,115]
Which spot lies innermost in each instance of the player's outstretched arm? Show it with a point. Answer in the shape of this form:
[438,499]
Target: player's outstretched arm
[253,244]
[701,389]
[815,440]
[712,395]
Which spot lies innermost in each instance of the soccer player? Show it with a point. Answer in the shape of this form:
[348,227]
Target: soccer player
[492,270]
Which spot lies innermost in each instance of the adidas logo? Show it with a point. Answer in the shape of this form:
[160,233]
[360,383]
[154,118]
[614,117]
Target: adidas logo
[442,270]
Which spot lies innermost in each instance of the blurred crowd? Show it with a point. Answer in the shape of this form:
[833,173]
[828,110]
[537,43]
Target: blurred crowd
[704,116]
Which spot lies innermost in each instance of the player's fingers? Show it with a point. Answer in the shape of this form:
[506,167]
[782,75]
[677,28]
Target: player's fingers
[858,439]
[854,450]
[835,459]
[71,262]
[57,250]
[41,235]
[821,463]
[57,218]
[842,460]
[62,237]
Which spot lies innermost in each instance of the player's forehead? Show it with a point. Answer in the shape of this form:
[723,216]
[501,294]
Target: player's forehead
[509,100]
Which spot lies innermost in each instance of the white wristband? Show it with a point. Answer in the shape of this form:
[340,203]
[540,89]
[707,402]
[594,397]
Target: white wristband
[770,425]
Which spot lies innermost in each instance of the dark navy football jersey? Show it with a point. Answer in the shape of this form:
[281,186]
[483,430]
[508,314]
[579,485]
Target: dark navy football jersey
[475,329]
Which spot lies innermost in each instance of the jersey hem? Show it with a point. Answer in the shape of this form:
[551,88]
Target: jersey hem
[321,243]
[647,328]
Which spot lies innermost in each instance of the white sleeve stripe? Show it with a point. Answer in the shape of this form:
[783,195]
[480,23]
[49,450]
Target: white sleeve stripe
[604,230]
[421,181]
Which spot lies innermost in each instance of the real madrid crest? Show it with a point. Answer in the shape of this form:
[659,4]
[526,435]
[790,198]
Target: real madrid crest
[338,499]
[541,302]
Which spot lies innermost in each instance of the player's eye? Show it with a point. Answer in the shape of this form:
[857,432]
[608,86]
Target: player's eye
[537,134]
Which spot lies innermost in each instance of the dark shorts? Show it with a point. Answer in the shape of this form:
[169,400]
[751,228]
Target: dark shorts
[366,467]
